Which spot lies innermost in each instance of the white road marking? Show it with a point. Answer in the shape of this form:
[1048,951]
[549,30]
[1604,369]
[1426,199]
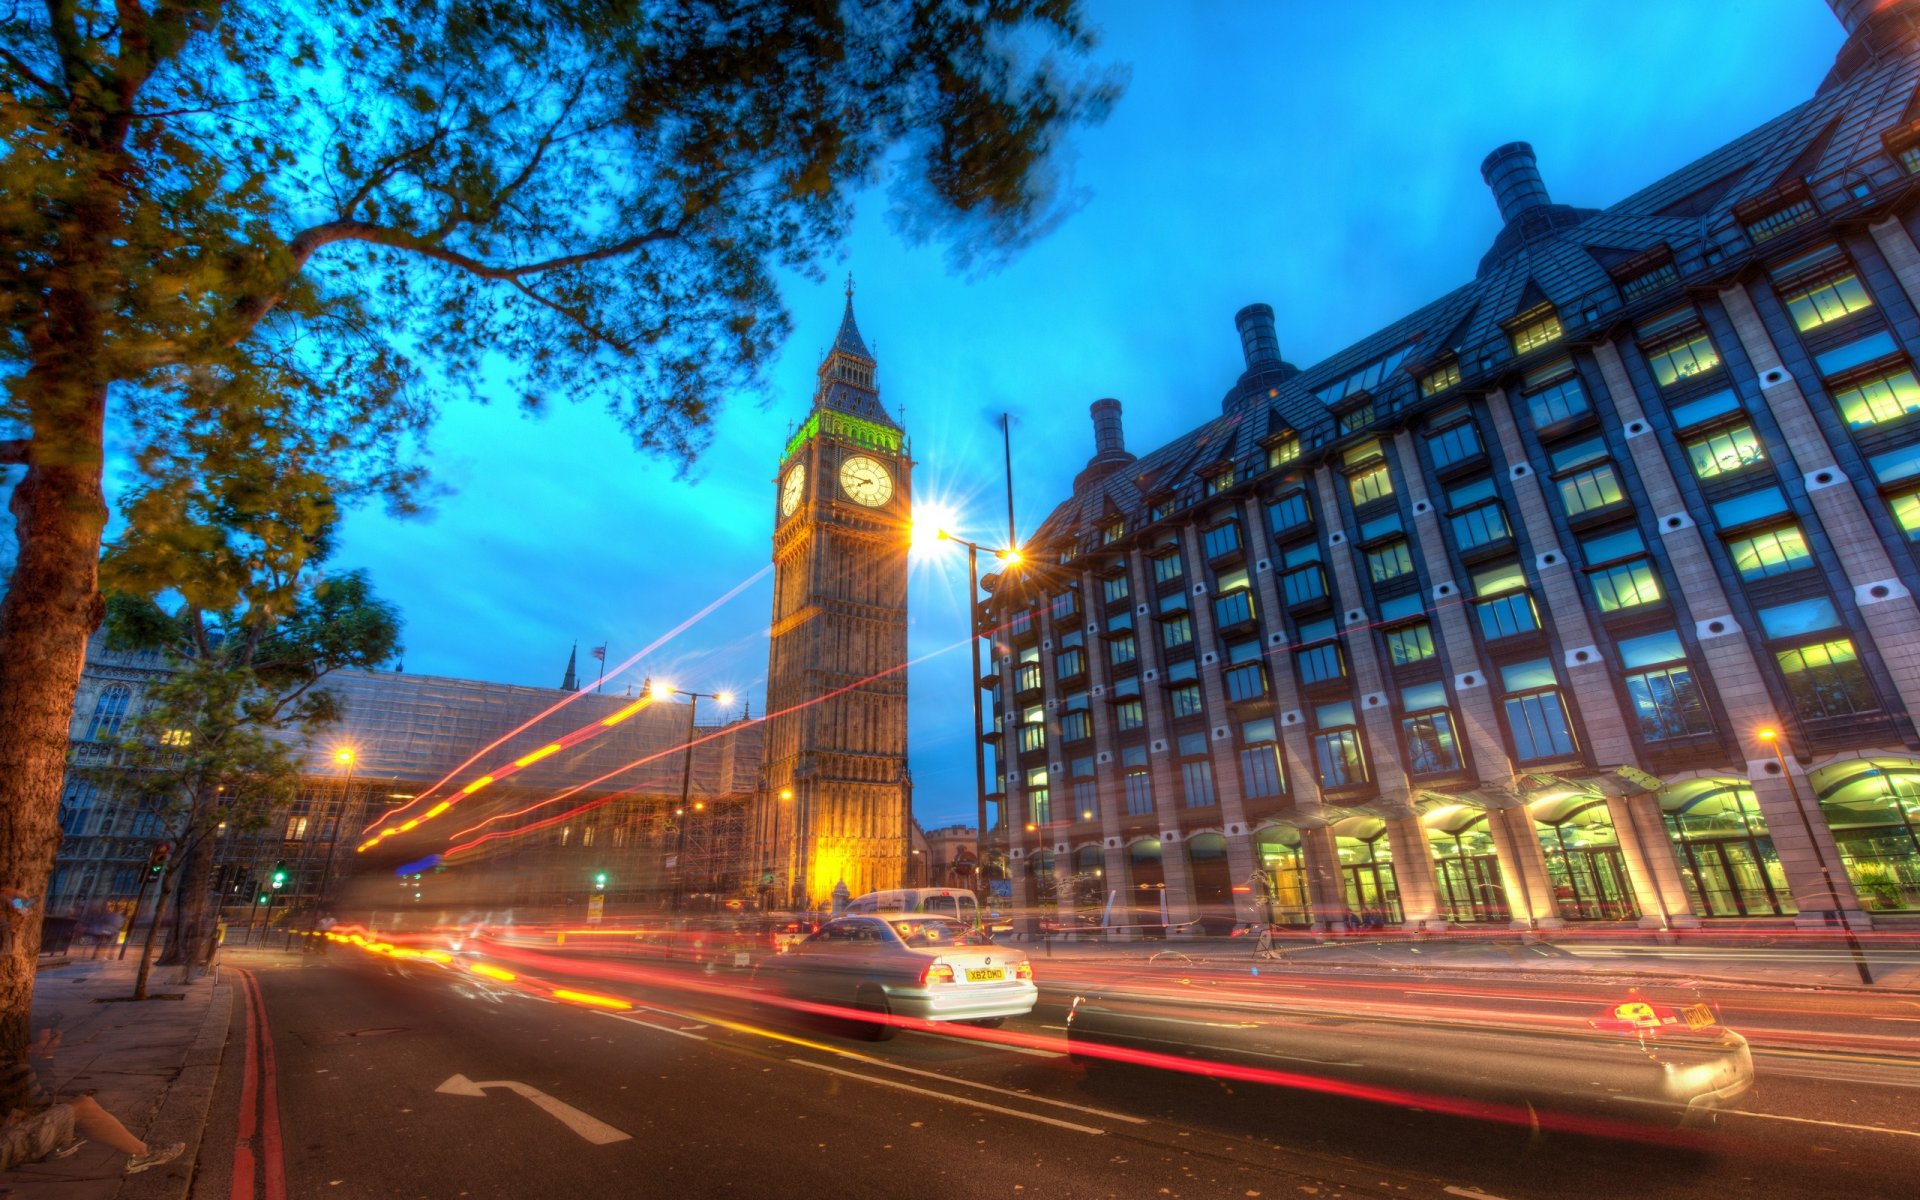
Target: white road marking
[1029,1050]
[951,1099]
[1737,1112]
[1507,996]
[988,1087]
[592,1129]
[662,1028]
[1469,1193]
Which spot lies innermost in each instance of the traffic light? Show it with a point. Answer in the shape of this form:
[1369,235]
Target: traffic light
[157,859]
[263,898]
[279,875]
[599,881]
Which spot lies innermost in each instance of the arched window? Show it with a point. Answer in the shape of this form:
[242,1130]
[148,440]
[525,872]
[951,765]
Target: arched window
[108,711]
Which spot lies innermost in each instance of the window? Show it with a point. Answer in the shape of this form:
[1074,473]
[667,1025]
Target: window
[1536,715]
[1137,782]
[1115,587]
[1245,680]
[1690,354]
[1427,729]
[1021,624]
[1167,567]
[1307,584]
[1666,699]
[1771,552]
[1749,507]
[1780,219]
[1729,450]
[176,737]
[1160,509]
[1233,608]
[1260,774]
[1337,751]
[1196,778]
[1878,399]
[1122,650]
[1558,402]
[1480,526]
[1799,617]
[1505,616]
[1826,680]
[1356,419]
[1221,540]
[1113,531]
[1039,800]
[1648,282]
[1284,451]
[1027,678]
[1185,700]
[1906,514]
[1569,455]
[1318,664]
[1409,644]
[1390,561]
[1826,299]
[1220,481]
[1290,511]
[1064,606]
[1896,465]
[1086,798]
[296,829]
[1595,487]
[1033,730]
[1076,723]
[1535,328]
[1176,624]
[1370,485]
[1454,444]
[1129,715]
[1367,378]
[108,712]
[1440,379]
[1622,574]
[1910,158]
[1070,663]
[1379,527]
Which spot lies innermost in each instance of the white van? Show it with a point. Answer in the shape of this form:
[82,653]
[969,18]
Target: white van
[957,903]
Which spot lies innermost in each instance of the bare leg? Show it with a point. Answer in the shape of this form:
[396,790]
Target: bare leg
[96,1124]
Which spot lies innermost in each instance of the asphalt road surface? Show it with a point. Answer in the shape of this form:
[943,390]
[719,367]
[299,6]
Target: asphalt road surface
[378,1077]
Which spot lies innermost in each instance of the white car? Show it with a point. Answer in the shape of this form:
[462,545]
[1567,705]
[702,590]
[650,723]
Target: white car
[908,965]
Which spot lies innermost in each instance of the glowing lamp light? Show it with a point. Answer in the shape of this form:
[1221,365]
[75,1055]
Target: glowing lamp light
[724,698]
[930,527]
[660,692]
[786,793]
[1767,735]
[1011,556]
[344,756]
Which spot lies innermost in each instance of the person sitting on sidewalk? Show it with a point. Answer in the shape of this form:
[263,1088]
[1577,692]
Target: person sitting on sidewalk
[47,1129]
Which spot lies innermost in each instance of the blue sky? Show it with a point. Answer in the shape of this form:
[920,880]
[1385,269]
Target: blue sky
[1322,158]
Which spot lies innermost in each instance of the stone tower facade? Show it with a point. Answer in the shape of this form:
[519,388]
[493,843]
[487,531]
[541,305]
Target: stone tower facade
[838,798]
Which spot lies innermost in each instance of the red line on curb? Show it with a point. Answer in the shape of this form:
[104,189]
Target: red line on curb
[270,1153]
[259,1104]
[243,1162]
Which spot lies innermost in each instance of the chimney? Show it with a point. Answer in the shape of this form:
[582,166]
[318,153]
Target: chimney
[1108,441]
[1853,14]
[1515,179]
[1258,341]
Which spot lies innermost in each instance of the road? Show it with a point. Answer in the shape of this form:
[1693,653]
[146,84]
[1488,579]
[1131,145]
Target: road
[374,1063]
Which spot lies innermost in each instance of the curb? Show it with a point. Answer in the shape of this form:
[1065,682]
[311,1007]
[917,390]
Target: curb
[181,1115]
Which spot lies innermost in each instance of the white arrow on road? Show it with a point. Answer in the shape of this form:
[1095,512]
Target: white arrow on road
[598,1132]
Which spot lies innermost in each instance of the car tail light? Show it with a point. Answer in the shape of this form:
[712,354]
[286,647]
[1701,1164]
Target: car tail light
[937,972]
[1023,970]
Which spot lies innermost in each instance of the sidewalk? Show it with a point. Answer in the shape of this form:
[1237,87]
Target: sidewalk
[153,1065]
[1790,961]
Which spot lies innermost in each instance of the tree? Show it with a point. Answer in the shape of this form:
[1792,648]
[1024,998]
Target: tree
[307,213]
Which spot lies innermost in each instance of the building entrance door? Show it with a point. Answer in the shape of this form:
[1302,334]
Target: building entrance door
[1470,888]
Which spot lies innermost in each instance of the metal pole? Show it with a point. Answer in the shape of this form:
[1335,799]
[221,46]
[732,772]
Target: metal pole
[979,745]
[1006,435]
[686,810]
[1820,857]
[333,846]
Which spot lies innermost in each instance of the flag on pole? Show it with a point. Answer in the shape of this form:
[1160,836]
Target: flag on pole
[599,652]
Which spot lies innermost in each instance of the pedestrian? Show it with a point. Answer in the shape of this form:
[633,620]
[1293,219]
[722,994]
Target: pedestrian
[48,1128]
[214,943]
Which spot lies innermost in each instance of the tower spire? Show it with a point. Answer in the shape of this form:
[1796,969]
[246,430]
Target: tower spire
[570,682]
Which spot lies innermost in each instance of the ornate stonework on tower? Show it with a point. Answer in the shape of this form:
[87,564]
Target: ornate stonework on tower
[838,796]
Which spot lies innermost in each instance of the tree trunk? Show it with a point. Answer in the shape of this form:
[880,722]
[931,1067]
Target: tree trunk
[190,920]
[146,947]
[51,607]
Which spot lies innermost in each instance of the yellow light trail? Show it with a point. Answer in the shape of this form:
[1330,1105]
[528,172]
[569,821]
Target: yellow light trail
[528,760]
[591,1000]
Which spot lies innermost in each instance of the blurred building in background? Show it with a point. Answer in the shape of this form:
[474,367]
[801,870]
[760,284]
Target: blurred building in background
[1586,592]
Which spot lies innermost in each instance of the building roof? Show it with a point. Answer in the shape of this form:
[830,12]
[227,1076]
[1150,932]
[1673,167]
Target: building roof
[1831,148]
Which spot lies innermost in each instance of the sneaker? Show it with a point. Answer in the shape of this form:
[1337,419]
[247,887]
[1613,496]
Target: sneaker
[137,1163]
[68,1148]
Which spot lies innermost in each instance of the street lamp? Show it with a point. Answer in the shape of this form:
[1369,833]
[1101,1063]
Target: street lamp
[1771,737]
[347,757]
[662,692]
[1011,557]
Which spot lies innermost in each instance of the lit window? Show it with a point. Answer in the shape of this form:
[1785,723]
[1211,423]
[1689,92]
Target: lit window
[1440,380]
[1138,782]
[1284,451]
[1666,698]
[1780,220]
[1357,419]
[1536,715]
[1882,398]
[1815,304]
[1625,585]
[1390,561]
[1113,531]
[1906,512]
[1910,158]
[1535,328]
[1409,644]
[1594,488]
[1220,482]
[1729,450]
[1771,552]
[1372,485]
[1826,680]
[177,737]
[1682,358]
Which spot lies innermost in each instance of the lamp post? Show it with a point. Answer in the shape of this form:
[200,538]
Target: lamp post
[662,692]
[347,757]
[1772,739]
[1012,558]
[785,861]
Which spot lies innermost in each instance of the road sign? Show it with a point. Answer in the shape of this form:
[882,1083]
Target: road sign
[596,1131]
[1001,889]
[596,908]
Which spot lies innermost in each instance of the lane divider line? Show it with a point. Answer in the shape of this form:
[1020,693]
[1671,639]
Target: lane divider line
[650,1025]
[950,1099]
[1739,1112]
[988,1087]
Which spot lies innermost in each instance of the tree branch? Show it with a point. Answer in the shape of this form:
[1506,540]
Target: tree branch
[26,72]
[312,239]
[13,451]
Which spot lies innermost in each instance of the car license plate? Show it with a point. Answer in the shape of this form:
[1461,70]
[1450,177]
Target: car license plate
[985,974]
[1698,1016]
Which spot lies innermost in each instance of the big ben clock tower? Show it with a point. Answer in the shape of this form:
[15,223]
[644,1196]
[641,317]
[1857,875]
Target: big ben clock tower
[838,796]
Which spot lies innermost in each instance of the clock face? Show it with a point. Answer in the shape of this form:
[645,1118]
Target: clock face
[791,490]
[865,481]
